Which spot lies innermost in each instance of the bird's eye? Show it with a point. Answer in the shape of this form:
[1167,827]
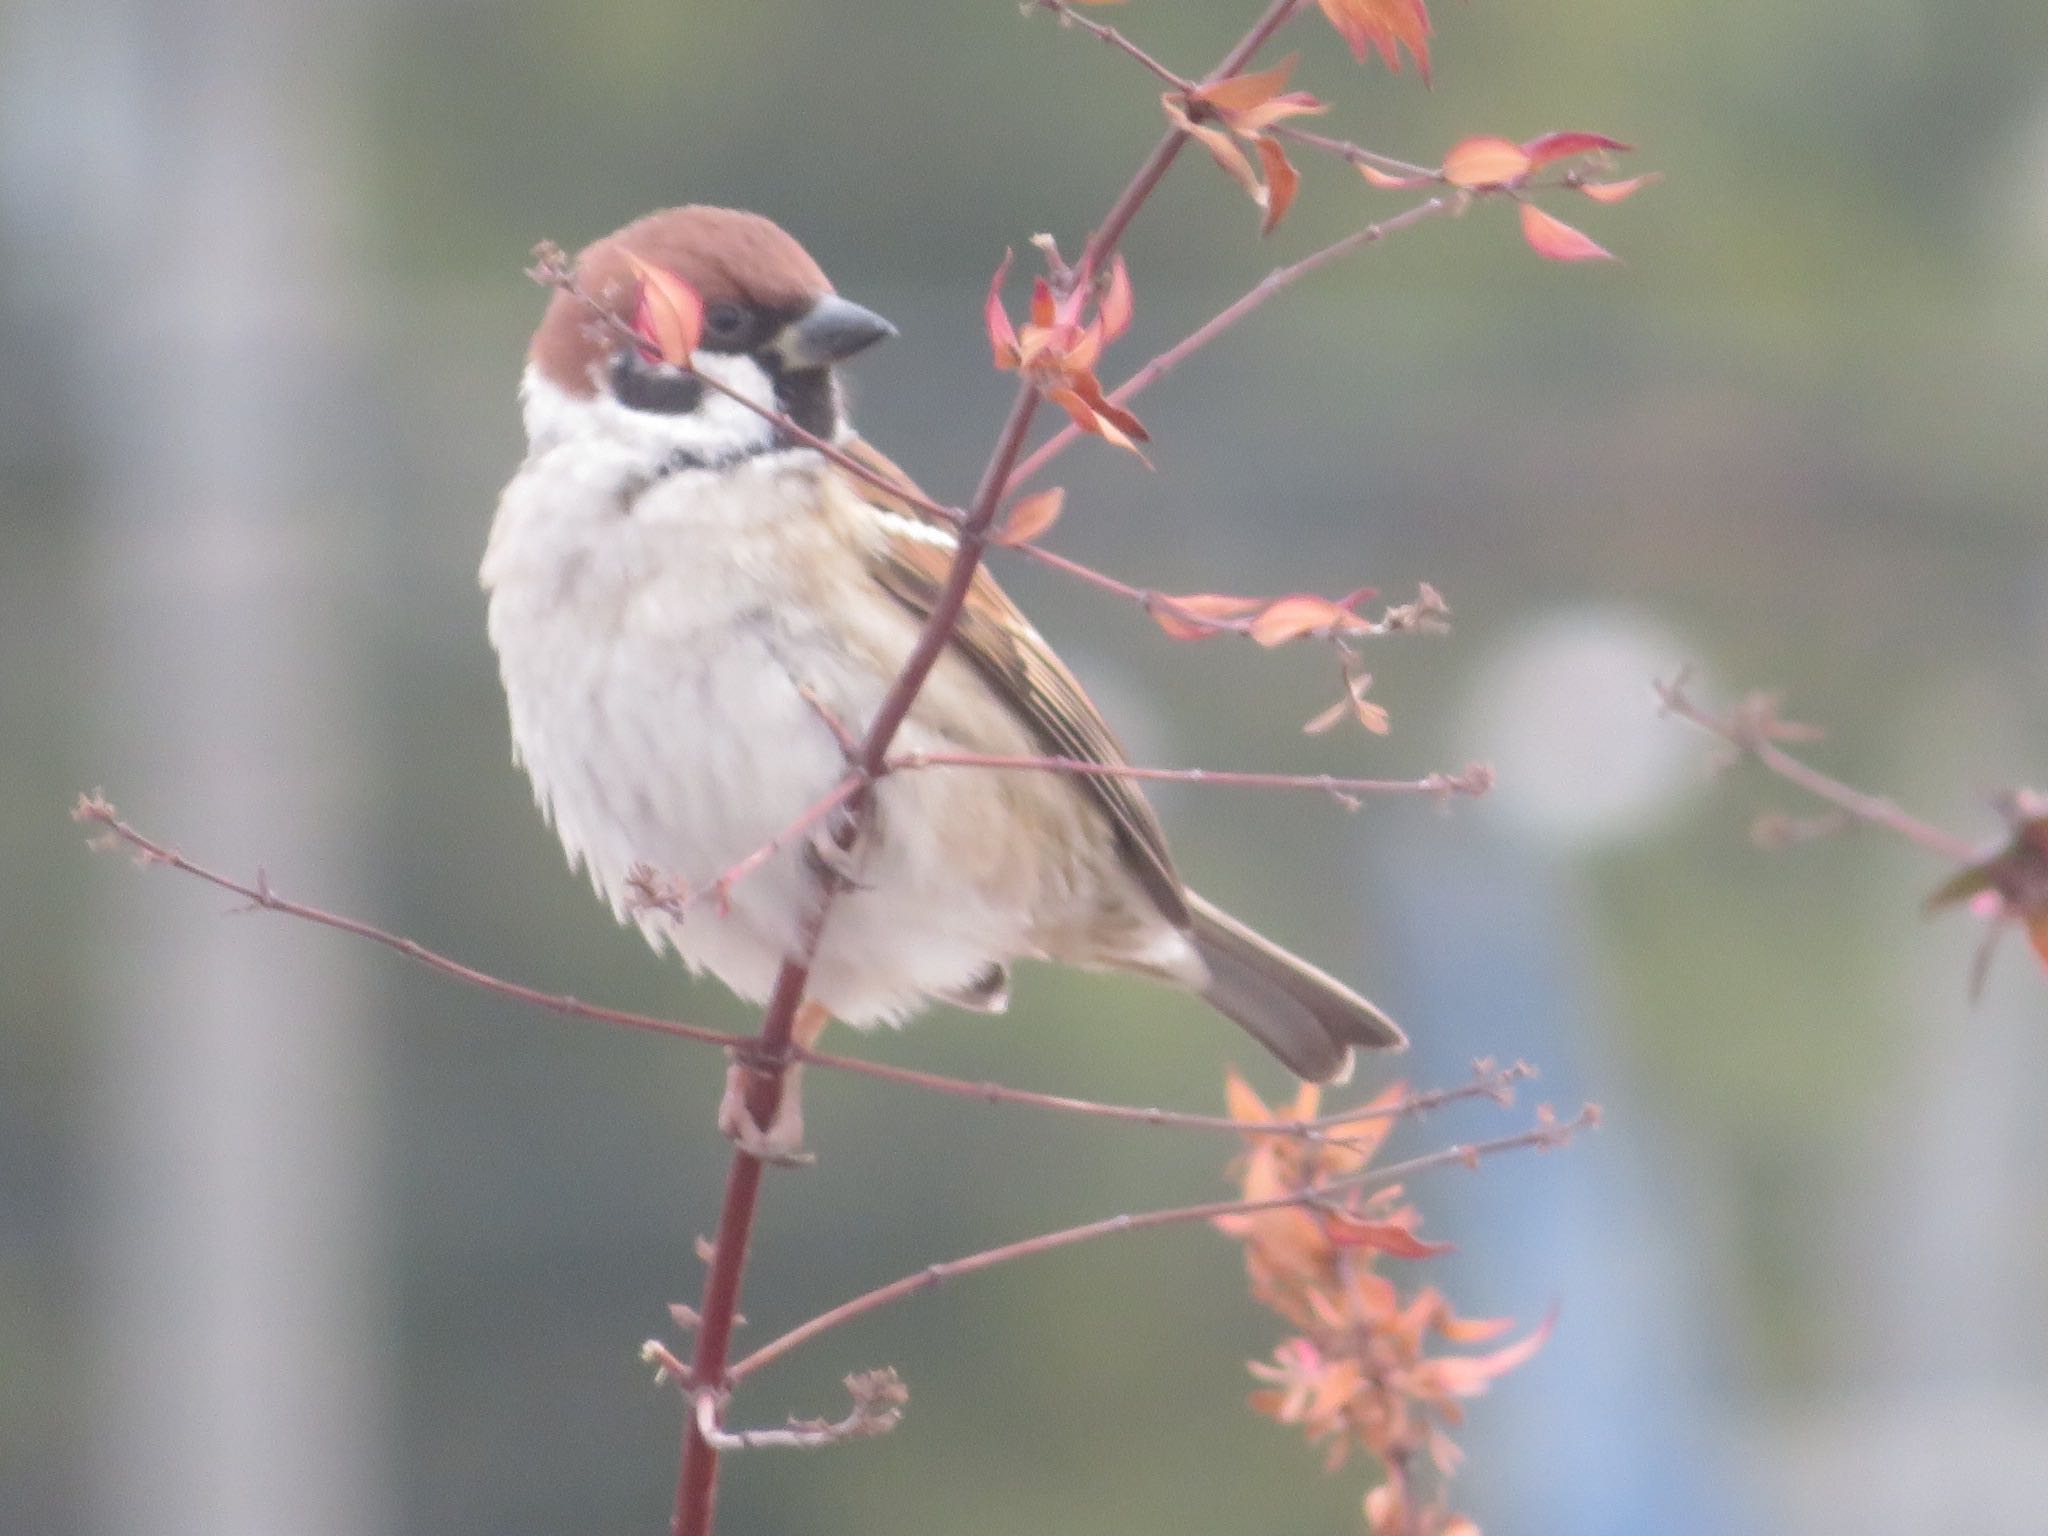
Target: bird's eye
[725,322]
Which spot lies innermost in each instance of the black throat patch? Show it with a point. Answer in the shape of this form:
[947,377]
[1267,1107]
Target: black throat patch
[809,397]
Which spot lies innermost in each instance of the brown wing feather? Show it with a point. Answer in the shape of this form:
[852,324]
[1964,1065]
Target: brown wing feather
[1017,662]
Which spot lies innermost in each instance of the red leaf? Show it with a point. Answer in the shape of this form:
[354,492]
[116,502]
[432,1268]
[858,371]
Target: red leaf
[1221,146]
[1387,25]
[1043,310]
[1469,1375]
[668,315]
[1241,92]
[1562,146]
[1556,240]
[1002,335]
[1097,417]
[1472,1330]
[1253,103]
[1090,389]
[1289,618]
[1391,1237]
[1282,182]
[1486,161]
[1031,517]
[1615,191]
[1181,617]
[1317,725]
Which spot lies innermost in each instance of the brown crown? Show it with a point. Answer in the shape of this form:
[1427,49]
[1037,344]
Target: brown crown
[726,255]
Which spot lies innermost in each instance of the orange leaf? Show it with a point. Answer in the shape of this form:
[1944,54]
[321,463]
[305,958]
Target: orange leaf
[668,315]
[1472,1330]
[1562,146]
[1470,1375]
[1253,103]
[2037,934]
[1242,92]
[1002,335]
[1031,517]
[1043,310]
[1242,1100]
[1556,240]
[1181,617]
[1090,389]
[1387,25]
[1486,161]
[1221,146]
[1289,618]
[1082,356]
[1362,1136]
[1282,182]
[1615,191]
[1394,1237]
[1114,312]
[1098,417]
[1319,724]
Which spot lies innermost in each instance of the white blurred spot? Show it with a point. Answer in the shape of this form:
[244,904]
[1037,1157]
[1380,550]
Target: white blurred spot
[1564,710]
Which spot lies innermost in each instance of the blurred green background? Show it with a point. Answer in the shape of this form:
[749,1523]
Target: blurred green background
[295,1237]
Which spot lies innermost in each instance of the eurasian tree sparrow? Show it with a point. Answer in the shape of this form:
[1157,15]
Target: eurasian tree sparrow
[683,597]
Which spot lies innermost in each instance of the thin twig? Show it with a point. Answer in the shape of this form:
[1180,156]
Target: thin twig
[1546,1133]
[1072,18]
[654,892]
[1273,283]
[1474,780]
[878,1401]
[1752,731]
[94,810]
[1488,1080]
[1344,149]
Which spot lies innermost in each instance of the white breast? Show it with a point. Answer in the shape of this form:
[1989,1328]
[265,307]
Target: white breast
[652,664]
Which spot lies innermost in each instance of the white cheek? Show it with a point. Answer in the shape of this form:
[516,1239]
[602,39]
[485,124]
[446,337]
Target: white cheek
[719,428]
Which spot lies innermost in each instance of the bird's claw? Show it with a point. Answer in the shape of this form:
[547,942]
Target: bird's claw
[781,1143]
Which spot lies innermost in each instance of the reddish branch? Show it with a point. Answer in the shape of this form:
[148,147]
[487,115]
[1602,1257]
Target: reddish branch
[1547,1133]
[1105,33]
[655,892]
[1473,780]
[1755,730]
[696,1480]
[1488,1080]
[1274,283]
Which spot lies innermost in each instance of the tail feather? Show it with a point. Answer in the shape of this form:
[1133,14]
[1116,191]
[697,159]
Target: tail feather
[1304,1016]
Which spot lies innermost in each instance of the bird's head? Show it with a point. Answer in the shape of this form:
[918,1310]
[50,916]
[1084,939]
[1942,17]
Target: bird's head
[770,327]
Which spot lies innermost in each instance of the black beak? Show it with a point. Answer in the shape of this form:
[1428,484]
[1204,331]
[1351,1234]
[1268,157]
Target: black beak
[832,330]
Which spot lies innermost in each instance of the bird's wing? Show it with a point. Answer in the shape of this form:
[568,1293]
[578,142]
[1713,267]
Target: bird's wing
[1021,667]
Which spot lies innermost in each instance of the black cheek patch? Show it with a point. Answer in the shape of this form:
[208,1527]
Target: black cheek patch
[643,386]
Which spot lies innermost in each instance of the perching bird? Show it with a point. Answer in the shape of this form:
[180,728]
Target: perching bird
[684,599]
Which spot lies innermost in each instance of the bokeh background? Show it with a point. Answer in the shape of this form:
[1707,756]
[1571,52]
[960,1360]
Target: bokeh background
[294,1237]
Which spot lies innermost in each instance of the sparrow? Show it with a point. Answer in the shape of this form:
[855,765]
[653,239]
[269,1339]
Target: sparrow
[690,608]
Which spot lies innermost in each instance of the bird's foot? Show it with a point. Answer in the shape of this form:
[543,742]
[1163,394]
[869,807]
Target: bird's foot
[834,851]
[781,1141]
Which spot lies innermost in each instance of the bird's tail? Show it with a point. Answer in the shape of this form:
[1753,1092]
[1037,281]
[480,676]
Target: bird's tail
[1304,1016]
